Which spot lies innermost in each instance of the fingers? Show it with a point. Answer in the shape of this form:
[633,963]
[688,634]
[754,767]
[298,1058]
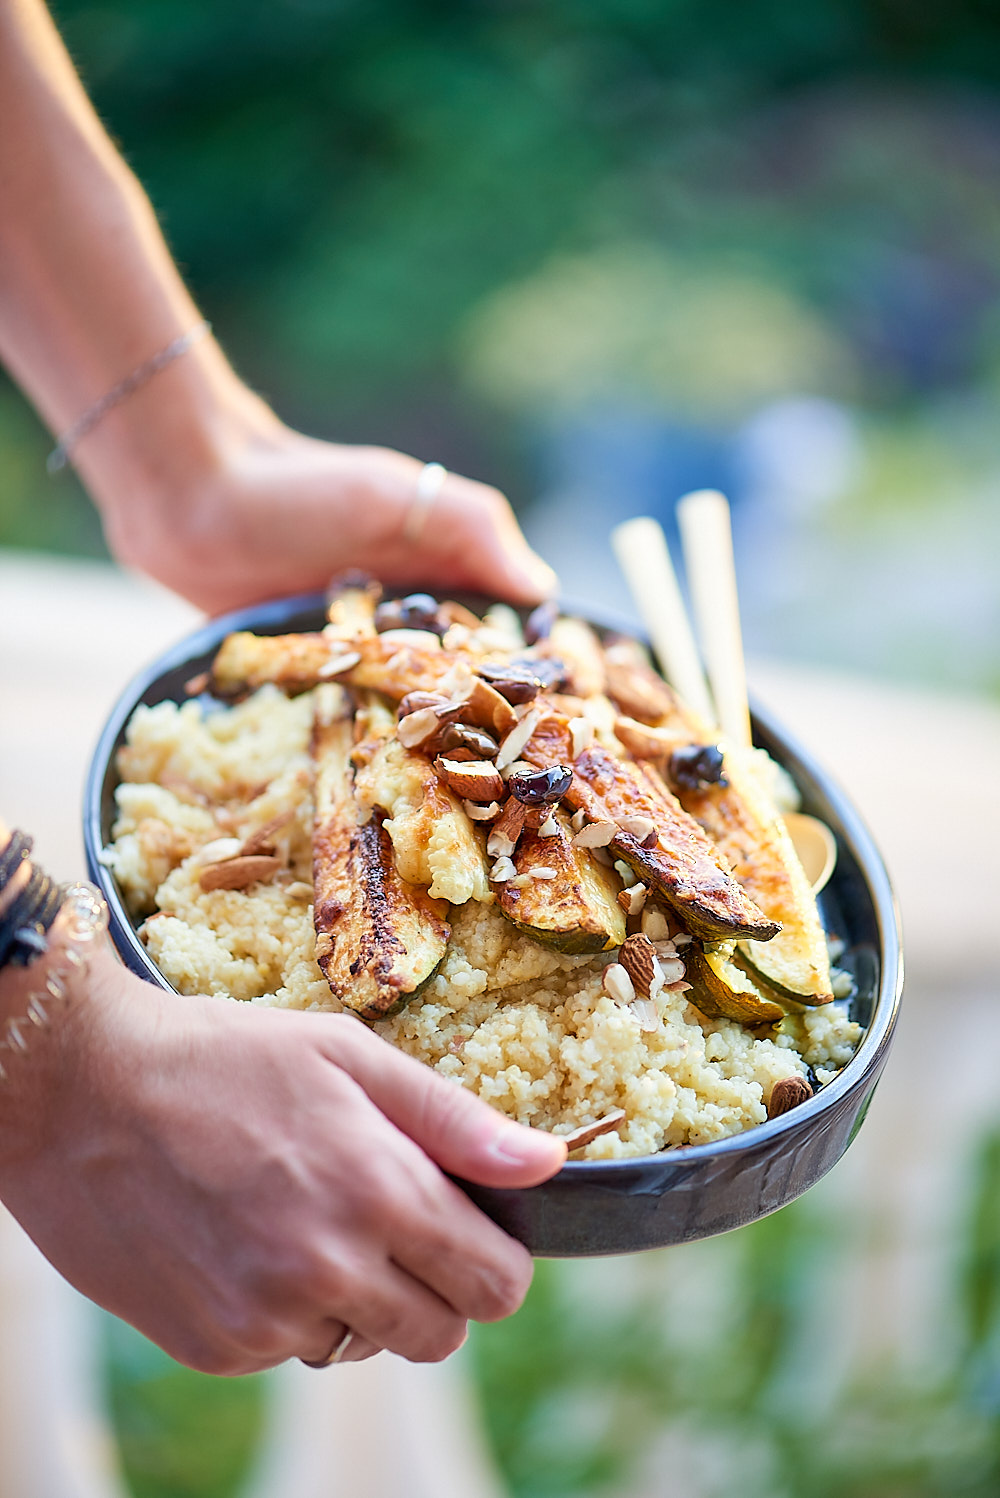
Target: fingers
[465,1258]
[459,1132]
[475,528]
[467,536]
[387,1307]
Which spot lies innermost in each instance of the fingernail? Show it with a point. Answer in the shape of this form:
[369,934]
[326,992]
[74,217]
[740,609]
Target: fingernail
[522,1146]
[538,574]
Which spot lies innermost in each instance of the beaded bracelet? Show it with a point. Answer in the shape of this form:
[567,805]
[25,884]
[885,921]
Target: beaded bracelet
[13,856]
[81,918]
[25,919]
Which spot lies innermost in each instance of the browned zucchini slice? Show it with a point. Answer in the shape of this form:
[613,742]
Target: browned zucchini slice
[378,938]
[245,662]
[351,605]
[295,663]
[683,865]
[578,910]
[723,990]
[742,822]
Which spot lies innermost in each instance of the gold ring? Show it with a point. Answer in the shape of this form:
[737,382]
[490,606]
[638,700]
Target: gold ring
[429,482]
[336,1353]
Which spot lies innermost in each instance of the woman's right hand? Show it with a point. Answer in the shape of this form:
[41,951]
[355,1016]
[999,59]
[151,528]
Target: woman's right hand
[244,1184]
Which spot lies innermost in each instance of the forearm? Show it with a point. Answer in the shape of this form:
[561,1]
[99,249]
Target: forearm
[198,482]
[88,289]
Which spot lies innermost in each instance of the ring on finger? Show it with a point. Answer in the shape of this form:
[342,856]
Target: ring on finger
[429,481]
[336,1354]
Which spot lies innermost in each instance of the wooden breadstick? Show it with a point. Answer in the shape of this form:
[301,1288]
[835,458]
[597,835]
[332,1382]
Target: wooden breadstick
[707,538]
[641,549]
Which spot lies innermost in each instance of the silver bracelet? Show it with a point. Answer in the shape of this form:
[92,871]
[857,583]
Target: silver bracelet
[60,454]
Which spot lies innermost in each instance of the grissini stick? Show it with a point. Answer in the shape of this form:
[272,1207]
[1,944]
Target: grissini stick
[707,538]
[641,549]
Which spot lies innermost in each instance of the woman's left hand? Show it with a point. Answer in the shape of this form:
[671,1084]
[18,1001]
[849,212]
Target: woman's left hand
[264,511]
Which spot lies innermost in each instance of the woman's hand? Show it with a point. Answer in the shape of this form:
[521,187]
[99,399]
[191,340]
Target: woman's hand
[244,1184]
[247,509]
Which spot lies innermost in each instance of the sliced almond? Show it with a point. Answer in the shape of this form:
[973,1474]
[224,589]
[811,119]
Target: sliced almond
[238,873]
[507,829]
[518,767]
[550,827]
[582,735]
[485,708]
[517,738]
[503,870]
[457,613]
[643,742]
[589,1132]
[482,813]
[543,873]
[474,779]
[646,1013]
[618,984]
[654,924]
[632,899]
[418,728]
[422,639]
[673,970]
[218,849]
[261,841]
[596,835]
[414,701]
[338,664]
[643,829]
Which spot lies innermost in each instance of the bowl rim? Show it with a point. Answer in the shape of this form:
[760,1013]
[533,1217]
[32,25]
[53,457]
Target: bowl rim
[878,1033]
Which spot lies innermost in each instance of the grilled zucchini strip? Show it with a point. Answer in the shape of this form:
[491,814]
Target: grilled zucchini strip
[350,609]
[246,661]
[378,938]
[723,990]
[744,825]
[295,663]
[577,911]
[741,820]
[683,864]
[434,841]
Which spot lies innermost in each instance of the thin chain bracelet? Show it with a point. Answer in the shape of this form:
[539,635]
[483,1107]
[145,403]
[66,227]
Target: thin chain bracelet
[81,920]
[63,450]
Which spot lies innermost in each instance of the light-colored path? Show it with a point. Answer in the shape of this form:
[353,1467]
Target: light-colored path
[922,768]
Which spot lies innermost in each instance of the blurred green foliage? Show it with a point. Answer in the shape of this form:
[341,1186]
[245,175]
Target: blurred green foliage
[724,1363]
[351,186]
[180,1434]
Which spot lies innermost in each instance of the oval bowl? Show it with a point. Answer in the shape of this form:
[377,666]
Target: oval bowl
[614,1206]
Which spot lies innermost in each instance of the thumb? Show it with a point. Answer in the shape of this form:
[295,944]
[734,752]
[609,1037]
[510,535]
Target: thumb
[454,1128]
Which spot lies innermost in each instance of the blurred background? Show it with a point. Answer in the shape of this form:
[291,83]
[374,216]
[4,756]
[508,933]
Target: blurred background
[600,252]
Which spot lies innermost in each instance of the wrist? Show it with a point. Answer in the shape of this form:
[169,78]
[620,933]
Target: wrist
[154,461]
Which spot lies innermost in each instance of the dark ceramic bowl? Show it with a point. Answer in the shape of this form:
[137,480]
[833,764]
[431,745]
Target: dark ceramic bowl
[617,1206]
